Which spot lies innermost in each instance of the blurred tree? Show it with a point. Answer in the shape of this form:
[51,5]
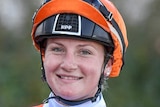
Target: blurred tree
[138,83]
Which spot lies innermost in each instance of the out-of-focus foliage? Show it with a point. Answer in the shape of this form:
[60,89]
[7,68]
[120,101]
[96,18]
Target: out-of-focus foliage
[137,86]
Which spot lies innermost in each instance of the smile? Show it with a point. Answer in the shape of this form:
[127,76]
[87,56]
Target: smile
[69,77]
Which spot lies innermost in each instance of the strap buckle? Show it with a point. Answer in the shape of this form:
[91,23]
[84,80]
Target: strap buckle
[110,16]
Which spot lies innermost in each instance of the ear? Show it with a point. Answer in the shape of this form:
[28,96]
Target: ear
[108,68]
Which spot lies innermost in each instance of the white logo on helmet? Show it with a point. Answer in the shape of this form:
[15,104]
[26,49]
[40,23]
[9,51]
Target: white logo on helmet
[66,27]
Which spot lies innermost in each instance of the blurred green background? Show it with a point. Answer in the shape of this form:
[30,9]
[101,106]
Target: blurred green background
[138,84]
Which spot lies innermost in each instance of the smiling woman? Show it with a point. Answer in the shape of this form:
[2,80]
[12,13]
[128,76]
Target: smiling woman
[67,70]
[79,49]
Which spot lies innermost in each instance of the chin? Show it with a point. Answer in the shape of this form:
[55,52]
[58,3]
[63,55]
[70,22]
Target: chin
[71,95]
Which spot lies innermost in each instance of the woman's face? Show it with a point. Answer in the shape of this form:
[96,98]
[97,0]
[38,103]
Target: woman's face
[73,67]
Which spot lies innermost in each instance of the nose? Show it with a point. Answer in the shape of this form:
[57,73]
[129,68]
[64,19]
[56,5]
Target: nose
[69,62]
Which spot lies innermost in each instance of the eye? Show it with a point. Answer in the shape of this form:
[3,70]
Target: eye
[85,52]
[58,50]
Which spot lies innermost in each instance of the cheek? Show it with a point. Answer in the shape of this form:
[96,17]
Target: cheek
[47,65]
[92,74]
[50,64]
[92,69]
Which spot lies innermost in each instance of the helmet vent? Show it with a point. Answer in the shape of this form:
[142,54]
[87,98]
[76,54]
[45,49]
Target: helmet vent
[67,24]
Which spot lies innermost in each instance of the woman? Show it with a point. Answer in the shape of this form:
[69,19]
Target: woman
[81,42]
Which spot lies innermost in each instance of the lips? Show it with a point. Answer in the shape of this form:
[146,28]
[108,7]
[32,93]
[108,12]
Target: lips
[68,77]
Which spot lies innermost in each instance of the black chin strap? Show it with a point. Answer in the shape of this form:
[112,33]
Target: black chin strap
[73,103]
[70,102]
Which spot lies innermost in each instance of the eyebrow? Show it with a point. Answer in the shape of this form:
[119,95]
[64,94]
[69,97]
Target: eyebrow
[87,45]
[54,42]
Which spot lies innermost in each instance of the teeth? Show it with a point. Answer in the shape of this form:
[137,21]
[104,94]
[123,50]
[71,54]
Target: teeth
[69,78]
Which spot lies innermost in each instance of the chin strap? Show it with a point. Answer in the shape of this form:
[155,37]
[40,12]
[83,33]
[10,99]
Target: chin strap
[73,103]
